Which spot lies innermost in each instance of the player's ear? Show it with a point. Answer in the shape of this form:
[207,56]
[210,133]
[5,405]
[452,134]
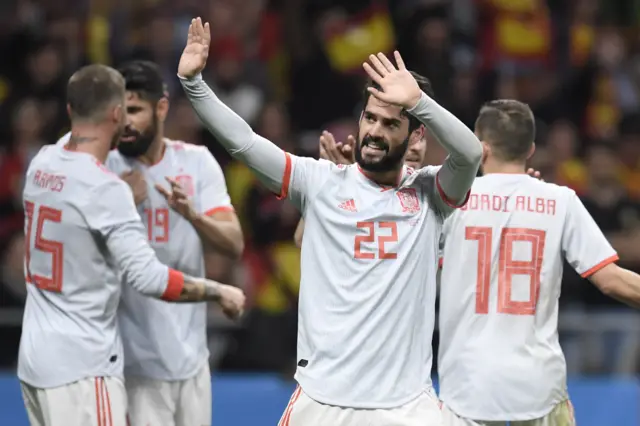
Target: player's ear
[531,150]
[416,135]
[69,110]
[486,150]
[162,109]
[117,114]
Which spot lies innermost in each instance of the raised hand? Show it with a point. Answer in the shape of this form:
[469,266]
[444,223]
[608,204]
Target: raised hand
[195,53]
[337,152]
[177,199]
[398,85]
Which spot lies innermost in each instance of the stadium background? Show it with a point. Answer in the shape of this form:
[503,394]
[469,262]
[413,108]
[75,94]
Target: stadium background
[292,68]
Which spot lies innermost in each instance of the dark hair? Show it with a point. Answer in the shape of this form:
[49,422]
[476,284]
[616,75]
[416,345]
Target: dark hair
[509,127]
[92,89]
[423,83]
[145,79]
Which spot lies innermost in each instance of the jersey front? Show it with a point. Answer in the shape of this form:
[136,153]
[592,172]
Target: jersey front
[69,330]
[166,341]
[367,290]
[503,255]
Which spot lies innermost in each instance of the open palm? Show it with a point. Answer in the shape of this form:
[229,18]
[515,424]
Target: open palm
[397,84]
[195,53]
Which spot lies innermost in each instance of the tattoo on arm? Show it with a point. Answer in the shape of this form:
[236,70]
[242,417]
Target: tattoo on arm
[199,289]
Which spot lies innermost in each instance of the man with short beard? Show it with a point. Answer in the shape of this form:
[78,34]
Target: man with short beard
[343,153]
[182,198]
[369,256]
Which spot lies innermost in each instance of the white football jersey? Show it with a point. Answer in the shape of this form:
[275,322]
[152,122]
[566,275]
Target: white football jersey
[81,230]
[503,255]
[367,291]
[166,341]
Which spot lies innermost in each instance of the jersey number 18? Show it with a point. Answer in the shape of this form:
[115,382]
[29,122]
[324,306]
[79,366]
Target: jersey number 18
[507,268]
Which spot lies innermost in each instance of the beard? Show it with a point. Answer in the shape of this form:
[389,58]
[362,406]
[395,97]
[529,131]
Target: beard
[115,139]
[392,160]
[138,142]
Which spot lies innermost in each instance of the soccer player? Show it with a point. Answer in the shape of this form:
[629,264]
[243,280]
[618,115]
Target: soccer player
[342,153]
[500,361]
[184,204]
[82,230]
[369,255]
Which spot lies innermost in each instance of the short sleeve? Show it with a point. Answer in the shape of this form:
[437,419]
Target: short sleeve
[212,189]
[304,178]
[583,243]
[110,204]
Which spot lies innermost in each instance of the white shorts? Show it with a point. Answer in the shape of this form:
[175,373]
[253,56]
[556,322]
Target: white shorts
[170,403]
[304,411]
[99,401]
[561,415]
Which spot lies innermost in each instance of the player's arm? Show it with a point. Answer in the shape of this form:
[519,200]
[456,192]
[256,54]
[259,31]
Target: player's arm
[282,173]
[465,151]
[297,236]
[216,221]
[112,214]
[269,162]
[618,283]
[592,256]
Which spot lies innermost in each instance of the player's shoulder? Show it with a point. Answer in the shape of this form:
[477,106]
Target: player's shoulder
[185,149]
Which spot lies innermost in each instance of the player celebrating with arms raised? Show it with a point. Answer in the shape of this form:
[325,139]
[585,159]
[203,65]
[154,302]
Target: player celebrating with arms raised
[500,361]
[82,233]
[369,255]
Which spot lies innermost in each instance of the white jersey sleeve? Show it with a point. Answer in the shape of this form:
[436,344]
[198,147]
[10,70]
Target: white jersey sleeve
[112,213]
[304,178]
[428,177]
[212,188]
[584,245]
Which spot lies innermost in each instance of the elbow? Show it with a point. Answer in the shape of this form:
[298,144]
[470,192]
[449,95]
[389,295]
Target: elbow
[474,156]
[297,239]
[237,248]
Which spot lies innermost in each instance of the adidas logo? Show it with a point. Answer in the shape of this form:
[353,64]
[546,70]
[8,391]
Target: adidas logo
[349,205]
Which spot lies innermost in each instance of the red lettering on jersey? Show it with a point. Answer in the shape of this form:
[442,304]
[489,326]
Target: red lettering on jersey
[186,182]
[500,203]
[49,181]
[484,202]
[496,203]
[409,200]
[504,204]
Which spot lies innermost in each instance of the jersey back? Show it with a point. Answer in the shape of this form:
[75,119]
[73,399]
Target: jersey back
[166,341]
[367,290]
[503,256]
[69,329]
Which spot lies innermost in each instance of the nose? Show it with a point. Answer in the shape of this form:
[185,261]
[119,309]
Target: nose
[376,131]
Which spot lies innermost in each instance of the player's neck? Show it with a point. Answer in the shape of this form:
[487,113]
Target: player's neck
[494,167]
[390,178]
[155,152]
[91,139]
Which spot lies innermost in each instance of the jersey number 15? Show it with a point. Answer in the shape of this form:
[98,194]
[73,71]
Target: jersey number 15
[55,248]
[507,268]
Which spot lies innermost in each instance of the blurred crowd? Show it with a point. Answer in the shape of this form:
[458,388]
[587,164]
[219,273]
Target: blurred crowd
[291,68]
